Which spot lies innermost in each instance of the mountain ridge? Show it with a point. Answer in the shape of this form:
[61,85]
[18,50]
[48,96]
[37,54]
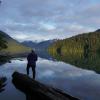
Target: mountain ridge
[41,45]
[13,46]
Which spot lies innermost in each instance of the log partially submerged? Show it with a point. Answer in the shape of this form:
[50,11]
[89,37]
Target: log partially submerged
[37,91]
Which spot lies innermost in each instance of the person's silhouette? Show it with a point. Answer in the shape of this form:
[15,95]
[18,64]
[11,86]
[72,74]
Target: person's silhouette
[31,58]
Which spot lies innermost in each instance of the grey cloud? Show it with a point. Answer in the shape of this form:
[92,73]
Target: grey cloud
[60,18]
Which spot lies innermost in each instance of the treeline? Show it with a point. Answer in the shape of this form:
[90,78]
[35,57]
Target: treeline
[82,43]
[3,42]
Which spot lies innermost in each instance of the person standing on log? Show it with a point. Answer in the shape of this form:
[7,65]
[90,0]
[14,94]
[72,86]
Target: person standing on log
[31,58]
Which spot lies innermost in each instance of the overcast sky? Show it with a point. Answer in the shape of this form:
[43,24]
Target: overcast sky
[48,19]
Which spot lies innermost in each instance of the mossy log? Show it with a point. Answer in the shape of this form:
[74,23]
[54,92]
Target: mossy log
[35,90]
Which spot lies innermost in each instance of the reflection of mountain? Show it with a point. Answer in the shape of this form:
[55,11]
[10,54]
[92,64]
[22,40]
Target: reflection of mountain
[82,50]
[44,54]
[13,46]
[2,83]
[40,48]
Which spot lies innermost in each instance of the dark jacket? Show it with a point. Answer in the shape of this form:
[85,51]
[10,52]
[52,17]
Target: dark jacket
[32,58]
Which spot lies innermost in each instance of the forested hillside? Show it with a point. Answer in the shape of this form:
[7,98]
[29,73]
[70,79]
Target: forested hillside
[81,50]
[87,42]
[9,46]
[3,43]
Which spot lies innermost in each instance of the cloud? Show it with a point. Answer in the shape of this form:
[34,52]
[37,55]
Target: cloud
[47,26]
[48,19]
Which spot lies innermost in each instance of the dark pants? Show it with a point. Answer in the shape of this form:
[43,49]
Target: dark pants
[33,69]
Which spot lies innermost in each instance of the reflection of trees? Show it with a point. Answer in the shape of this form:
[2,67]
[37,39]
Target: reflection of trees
[4,59]
[86,60]
[81,50]
[2,83]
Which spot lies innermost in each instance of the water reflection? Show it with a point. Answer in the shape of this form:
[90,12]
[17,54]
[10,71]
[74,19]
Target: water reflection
[80,83]
[4,59]
[2,83]
[86,60]
[43,54]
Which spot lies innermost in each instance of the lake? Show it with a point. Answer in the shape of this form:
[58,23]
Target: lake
[81,83]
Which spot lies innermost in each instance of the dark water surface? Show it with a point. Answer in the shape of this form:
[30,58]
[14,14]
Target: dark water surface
[84,84]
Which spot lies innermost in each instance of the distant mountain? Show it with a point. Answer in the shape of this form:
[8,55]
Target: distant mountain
[41,45]
[29,44]
[40,48]
[13,46]
[98,30]
[45,44]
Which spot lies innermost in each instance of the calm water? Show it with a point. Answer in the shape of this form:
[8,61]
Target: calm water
[84,84]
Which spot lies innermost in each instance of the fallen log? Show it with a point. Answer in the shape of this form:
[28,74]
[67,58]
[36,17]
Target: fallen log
[36,91]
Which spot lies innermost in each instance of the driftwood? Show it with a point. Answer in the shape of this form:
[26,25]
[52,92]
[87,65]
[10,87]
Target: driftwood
[37,91]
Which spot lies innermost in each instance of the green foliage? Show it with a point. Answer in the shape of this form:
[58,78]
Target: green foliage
[3,42]
[81,50]
[12,47]
[89,61]
[77,44]
[15,48]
